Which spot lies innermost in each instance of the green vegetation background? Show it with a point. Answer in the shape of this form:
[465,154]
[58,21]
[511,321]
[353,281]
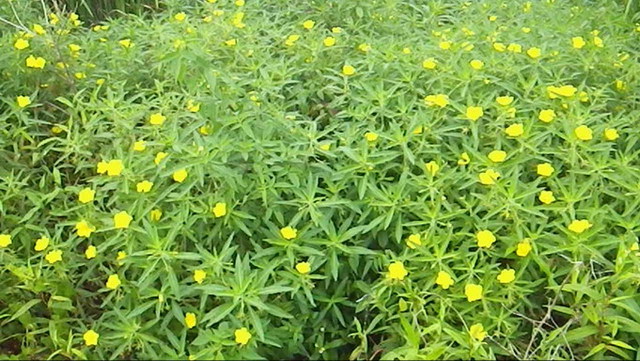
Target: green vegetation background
[280,139]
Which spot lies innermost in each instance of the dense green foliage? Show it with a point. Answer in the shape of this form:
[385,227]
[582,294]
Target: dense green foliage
[431,180]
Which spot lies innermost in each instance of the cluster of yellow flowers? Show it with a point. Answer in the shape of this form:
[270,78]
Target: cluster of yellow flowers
[558,97]
[474,292]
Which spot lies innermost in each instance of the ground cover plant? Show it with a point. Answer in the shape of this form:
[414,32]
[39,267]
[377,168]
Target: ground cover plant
[320,180]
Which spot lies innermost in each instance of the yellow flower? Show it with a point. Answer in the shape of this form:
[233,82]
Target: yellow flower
[485,238]
[432,167]
[336,30]
[497,156]
[476,64]
[155,215]
[444,280]
[242,336]
[204,130]
[237,20]
[489,177]
[473,292]
[199,276]
[288,232]
[80,75]
[546,197]
[21,44]
[219,210]
[239,3]
[179,44]
[397,271]
[364,47]
[578,42]
[303,267]
[583,133]
[526,30]
[429,63]
[73,18]
[126,43]
[74,48]
[23,101]
[474,113]
[464,159]
[326,147]
[329,41]
[545,169]
[102,167]
[192,106]
[179,17]
[84,229]
[38,29]
[348,70]
[506,276]
[440,100]
[579,226]
[445,45]
[620,85]
[144,186]
[35,62]
[504,100]
[477,332]
[180,175]
[514,48]
[611,134]
[523,248]
[90,252]
[418,130]
[54,256]
[122,220]
[139,146]
[5,240]
[547,115]
[41,244]
[414,241]
[90,338]
[190,320]
[291,40]
[493,18]
[159,157]
[86,195]
[157,119]
[406,51]
[499,47]
[515,130]
[565,91]
[113,282]
[53,19]
[309,24]
[597,41]
[114,167]
[100,81]
[534,53]
[371,136]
